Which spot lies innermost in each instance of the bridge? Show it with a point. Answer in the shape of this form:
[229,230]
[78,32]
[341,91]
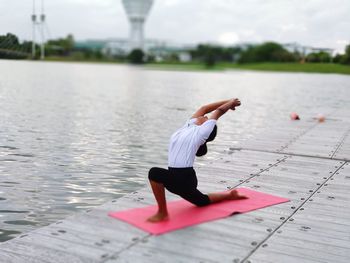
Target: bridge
[10,47]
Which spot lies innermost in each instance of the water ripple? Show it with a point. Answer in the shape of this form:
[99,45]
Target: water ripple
[8,147]
[13,211]
[21,222]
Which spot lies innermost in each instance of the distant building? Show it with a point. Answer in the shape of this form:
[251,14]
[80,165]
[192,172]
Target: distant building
[160,50]
[170,51]
[116,47]
[94,45]
[305,50]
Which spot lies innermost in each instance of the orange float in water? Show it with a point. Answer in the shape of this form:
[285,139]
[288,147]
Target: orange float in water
[294,116]
[321,118]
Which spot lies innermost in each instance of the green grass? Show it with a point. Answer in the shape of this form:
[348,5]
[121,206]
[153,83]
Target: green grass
[182,66]
[281,67]
[196,66]
[79,60]
[296,67]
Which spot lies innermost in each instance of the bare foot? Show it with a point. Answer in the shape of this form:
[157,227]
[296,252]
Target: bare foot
[158,217]
[236,196]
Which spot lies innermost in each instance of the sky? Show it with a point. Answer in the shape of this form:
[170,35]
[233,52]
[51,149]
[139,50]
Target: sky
[316,23]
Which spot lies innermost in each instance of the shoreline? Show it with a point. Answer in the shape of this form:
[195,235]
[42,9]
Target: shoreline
[320,68]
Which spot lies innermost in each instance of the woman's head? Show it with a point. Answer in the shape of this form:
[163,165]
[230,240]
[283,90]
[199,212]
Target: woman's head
[203,149]
[213,134]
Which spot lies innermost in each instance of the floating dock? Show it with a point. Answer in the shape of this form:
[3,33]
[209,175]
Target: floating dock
[306,161]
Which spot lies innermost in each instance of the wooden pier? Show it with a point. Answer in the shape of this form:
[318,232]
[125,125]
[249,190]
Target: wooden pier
[305,161]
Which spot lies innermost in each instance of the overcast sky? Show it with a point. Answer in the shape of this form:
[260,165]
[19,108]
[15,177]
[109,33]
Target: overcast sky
[318,23]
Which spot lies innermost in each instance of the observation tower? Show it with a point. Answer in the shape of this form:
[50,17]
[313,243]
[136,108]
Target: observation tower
[137,11]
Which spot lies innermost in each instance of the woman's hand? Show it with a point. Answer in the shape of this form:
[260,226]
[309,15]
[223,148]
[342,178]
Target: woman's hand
[221,110]
[235,103]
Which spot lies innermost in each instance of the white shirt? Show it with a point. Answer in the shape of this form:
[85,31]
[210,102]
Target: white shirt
[185,142]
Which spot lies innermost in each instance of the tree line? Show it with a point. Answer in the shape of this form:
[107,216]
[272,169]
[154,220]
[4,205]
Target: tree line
[11,47]
[266,52]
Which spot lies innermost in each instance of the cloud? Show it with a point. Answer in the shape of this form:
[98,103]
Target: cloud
[293,27]
[340,44]
[228,38]
[170,3]
[313,22]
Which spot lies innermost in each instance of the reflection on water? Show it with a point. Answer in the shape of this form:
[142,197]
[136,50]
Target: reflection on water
[73,136]
[7,234]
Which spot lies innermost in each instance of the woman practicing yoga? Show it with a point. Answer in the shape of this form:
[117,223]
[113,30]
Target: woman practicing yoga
[185,144]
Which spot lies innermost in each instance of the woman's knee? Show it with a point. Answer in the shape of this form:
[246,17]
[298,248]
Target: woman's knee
[152,173]
[197,198]
[156,174]
[202,202]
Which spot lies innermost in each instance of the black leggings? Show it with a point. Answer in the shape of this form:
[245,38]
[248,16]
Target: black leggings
[180,181]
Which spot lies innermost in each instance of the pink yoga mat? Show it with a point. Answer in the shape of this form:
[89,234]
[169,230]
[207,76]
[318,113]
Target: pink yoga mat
[183,214]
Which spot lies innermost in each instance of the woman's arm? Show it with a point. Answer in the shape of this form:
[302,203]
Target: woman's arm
[208,108]
[221,110]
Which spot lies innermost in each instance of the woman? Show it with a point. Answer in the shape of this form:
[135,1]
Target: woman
[185,144]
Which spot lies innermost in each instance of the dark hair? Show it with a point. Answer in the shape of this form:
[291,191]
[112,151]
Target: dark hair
[203,149]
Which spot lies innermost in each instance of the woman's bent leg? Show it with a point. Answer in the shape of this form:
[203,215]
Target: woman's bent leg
[228,195]
[155,177]
[199,199]
[196,197]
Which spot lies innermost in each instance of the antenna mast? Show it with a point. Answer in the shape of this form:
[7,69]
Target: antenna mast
[33,30]
[38,22]
[42,24]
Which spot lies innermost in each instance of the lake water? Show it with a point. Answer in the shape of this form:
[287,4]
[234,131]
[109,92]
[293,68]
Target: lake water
[73,136]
